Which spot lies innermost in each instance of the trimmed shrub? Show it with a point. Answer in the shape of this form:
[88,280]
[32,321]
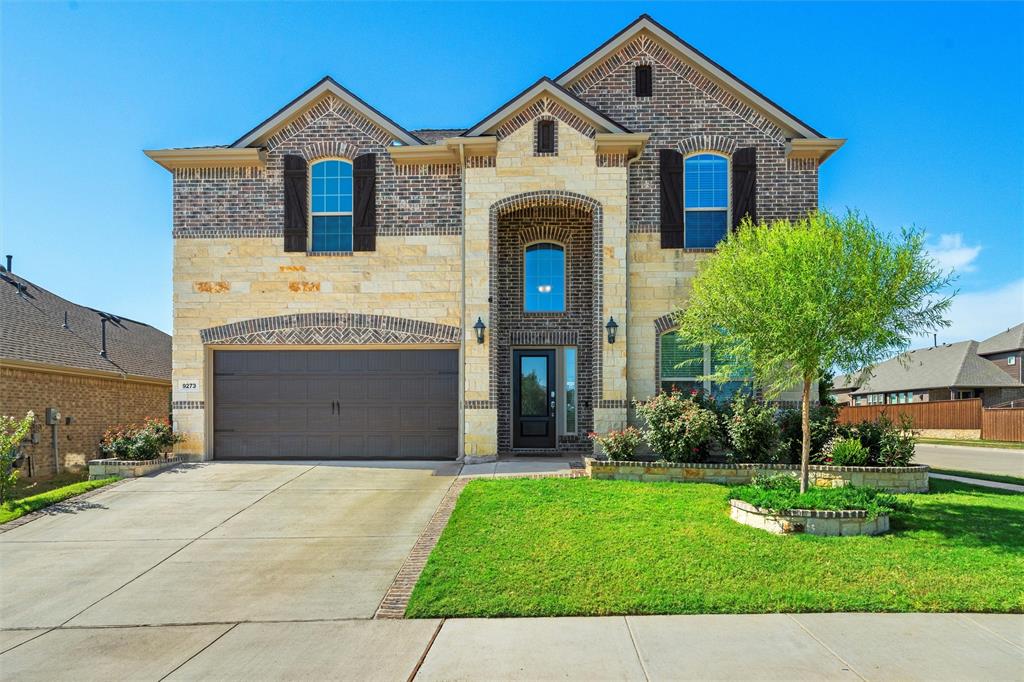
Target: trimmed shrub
[753,432]
[678,428]
[137,443]
[823,429]
[619,445]
[846,452]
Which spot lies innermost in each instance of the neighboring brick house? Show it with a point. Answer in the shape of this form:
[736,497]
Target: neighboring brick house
[52,356]
[344,287]
[989,370]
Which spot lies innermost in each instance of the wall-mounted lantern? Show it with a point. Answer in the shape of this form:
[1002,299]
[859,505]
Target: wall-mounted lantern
[479,327]
[611,327]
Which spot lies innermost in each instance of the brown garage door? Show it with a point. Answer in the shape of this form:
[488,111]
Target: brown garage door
[329,404]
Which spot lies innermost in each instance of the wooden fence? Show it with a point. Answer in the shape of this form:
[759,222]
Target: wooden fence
[941,414]
[1003,423]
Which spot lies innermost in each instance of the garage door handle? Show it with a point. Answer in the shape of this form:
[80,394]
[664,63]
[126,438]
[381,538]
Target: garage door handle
[333,403]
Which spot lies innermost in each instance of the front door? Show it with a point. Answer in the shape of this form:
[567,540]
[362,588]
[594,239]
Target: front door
[533,399]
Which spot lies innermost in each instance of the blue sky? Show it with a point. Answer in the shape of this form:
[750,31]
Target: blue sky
[929,95]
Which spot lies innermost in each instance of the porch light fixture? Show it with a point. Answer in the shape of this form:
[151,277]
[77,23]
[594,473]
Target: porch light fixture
[611,327]
[479,327]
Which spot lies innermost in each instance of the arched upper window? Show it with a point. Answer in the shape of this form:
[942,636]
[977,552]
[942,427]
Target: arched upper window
[706,187]
[544,278]
[331,205]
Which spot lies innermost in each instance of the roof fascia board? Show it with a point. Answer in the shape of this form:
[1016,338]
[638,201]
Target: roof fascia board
[543,86]
[207,157]
[326,85]
[631,144]
[818,148]
[80,371]
[433,153]
[696,57]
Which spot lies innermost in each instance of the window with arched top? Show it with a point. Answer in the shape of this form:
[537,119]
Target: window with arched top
[706,190]
[544,278]
[330,205]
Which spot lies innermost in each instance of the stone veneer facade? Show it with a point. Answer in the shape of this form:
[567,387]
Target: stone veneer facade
[448,246]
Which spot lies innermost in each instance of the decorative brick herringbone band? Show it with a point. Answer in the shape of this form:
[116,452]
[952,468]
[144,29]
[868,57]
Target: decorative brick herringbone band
[331,329]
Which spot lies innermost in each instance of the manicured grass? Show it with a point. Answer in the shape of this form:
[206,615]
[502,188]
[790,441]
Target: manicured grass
[560,547]
[999,478]
[973,443]
[15,508]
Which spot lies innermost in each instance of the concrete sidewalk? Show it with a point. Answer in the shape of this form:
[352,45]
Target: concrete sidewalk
[763,647]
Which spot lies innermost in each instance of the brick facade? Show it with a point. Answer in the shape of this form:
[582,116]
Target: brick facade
[94,403]
[450,237]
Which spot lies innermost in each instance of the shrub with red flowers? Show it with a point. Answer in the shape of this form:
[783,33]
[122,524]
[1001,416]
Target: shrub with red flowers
[148,441]
[619,445]
[678,428]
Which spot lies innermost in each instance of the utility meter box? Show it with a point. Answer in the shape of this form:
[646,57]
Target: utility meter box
[52,416]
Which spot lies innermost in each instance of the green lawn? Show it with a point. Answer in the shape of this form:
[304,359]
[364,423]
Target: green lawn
[19,507]
[560,547]
[973,443]
[999,478]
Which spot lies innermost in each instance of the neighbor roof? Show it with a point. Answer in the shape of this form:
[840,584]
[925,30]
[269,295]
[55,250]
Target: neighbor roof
[691,54]
[32,331]
[1011,339]
[545,86]
[325,85]
[947,366]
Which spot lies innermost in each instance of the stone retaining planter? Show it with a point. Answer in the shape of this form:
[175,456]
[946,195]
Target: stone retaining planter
[812,521]
[126,468]
[909,479]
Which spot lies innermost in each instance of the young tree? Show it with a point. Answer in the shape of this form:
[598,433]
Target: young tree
[791,300]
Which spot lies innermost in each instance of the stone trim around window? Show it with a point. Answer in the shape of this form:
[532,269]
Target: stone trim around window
[712,143]
[536,135]
[320,329]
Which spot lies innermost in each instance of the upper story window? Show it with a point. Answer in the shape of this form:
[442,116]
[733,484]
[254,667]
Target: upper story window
[544,278]
[643,81]
[706,189]
[331,205]
[545,136]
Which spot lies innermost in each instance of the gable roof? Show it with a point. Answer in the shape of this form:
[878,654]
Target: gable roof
[33,332]
[545,86]
[694,56]
[325,85]
[1011,339]
[947,366]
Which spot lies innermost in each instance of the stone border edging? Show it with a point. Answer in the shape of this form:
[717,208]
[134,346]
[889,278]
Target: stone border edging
[909,479]
[54,508]
[824,522]
[130,468]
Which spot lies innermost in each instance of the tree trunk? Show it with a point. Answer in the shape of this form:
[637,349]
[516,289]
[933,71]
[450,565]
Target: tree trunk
[805,423]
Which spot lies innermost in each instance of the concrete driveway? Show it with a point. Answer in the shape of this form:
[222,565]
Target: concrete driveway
[203,548]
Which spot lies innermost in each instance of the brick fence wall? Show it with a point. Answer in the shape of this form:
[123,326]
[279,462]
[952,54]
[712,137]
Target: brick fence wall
[94,403]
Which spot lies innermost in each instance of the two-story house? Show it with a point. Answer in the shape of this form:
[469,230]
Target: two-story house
[344,287]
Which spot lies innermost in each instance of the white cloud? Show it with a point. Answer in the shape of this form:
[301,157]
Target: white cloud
[951,253]
[978,315]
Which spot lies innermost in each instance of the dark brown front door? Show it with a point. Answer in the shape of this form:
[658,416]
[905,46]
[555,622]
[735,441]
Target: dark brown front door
[533,399]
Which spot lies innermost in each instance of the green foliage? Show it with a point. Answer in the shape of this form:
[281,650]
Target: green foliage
[846,452]
[823,428]
[558,547]
[888,445]
[619,445]
[148,441]
[791,298]
[678,428]
[12,509]
[781,492]
[12,432]
[753,432]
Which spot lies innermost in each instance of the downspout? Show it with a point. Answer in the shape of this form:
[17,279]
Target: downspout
[462,342]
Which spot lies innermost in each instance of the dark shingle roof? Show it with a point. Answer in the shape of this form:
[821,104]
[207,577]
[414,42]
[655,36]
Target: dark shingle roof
[1011,339]
[948,365]
[31,329]
[434,135]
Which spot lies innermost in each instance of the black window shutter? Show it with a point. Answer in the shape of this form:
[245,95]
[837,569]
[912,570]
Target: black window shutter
[643,81]
[364,217]
[295,183]
[545,137]
[744,185]
[670,169]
